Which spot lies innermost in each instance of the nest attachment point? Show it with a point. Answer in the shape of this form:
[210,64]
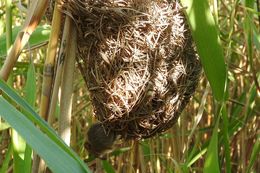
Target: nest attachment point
[138,60]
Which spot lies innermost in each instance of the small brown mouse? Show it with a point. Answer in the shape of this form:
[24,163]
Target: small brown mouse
[99,142]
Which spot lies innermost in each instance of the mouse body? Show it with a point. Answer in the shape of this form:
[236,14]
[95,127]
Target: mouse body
[99,141]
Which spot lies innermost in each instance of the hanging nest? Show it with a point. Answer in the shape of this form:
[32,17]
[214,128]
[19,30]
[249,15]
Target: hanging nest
[138,60]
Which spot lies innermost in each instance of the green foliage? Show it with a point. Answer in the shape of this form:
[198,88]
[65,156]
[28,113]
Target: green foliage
[217,131]
[255,154]
[212,160]
[30,97]
[49,146]
[206,37]
[108,168]
[40,35]
[226,138]
[4,166]
[57,159]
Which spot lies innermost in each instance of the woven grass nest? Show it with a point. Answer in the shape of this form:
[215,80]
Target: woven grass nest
[138,60]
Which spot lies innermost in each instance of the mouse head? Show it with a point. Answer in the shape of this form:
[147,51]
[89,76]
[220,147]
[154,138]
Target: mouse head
[99,142]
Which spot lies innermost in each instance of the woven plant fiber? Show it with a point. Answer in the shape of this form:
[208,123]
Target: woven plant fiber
[138,60]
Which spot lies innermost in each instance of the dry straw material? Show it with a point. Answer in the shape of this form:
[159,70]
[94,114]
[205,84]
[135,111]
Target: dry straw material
[138,60]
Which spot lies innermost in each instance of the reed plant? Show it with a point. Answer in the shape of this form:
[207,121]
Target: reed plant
[42,94]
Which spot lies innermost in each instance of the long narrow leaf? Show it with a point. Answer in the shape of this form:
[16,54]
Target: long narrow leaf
[8,155]
[56,158]
[205,35]
[30,97]
[226,139]
[108,168]
[212,162]
[34,117]
[254,155]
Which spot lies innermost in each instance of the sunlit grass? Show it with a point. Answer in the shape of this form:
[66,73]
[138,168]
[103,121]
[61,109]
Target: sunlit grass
[211,135]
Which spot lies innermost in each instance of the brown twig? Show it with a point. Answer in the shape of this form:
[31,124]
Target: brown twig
[48,76]
[67,83]
[59,70]
[35,14]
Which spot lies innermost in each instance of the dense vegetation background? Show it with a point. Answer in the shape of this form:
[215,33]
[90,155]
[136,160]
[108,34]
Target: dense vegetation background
[217,132]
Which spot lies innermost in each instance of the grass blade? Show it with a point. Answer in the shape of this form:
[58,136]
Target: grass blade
[35,118]
[30,97]
[212,162]
[8,24]
[255,154]
[4,166]
[58,160]
[30,86]
[248,27]
[226,139]
[18,151]
[108,168]
[196,157]
[205,35]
